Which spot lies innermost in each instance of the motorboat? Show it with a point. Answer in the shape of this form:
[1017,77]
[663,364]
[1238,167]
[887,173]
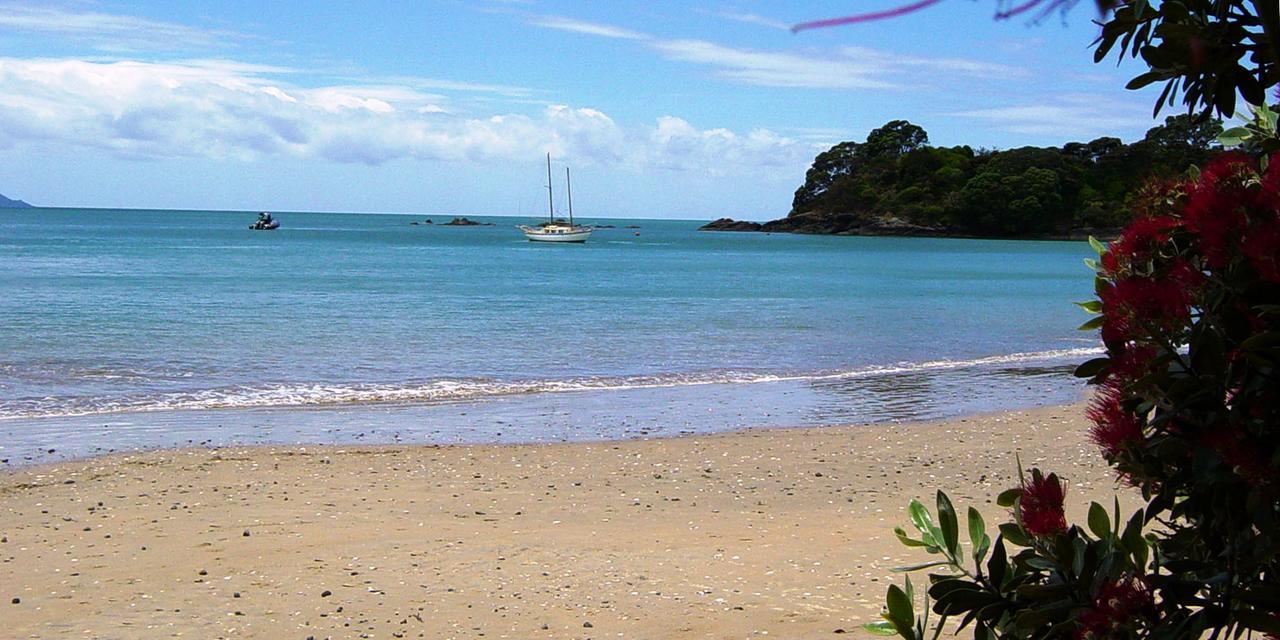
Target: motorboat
[265,223]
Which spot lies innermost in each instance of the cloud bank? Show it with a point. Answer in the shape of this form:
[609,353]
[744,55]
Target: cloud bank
[222,109]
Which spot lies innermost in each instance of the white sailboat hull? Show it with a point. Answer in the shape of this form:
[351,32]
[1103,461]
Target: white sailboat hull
[557,234]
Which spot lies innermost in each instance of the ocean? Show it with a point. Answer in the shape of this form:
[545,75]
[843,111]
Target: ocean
[127,329]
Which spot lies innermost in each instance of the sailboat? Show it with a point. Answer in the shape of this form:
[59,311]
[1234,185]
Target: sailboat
[557,230]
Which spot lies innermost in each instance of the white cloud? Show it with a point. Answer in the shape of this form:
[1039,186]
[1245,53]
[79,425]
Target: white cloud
[225,110]
[588,28]
[749,18]
[1071,116]
[777,69]
[110,31]
[843,68]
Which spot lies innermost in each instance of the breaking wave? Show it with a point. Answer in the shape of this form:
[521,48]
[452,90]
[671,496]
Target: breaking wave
[470,389]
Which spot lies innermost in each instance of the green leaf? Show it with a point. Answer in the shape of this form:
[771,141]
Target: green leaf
[1091,368]
[1099,523]
[906,540]
[881,628]
[947,520]
[1145,79]
[1095,323]
[1097,245]
[978,536]
[1008,497]
[998,564]
[923,521]
[922,565]
[1092,306]
[1133,541]
[901,614]
[1014,534]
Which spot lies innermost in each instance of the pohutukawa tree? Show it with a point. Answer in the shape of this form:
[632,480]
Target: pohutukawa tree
[1187,402]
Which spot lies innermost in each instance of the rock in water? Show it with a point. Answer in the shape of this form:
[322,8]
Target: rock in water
[729,224]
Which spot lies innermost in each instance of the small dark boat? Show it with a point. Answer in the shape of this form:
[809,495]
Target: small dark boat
[264,223]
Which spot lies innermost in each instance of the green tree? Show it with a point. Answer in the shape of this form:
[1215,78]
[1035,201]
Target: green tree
[840,160]
[894,139]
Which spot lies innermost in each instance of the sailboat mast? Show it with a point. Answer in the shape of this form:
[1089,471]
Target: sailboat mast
[551,207]
[568,189]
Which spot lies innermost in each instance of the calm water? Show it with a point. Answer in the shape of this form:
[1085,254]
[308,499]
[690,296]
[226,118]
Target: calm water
[153,328]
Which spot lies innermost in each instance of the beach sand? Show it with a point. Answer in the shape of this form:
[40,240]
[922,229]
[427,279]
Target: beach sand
[759,533]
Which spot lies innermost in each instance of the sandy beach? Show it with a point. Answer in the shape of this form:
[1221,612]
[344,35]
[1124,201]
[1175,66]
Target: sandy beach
[759,533]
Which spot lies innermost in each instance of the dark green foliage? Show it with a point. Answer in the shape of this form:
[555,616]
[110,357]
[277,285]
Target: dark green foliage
[1206,51]
[1025,191]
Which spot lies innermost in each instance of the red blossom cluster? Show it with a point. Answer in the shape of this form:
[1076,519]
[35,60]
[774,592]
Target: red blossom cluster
[1233,210]
[1114,427]
[1156,277]
[1040,507]
[1119,609]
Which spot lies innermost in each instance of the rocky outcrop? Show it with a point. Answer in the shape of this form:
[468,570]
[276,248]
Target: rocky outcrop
[729,224]
[464,222]
[850,224]
[842,224]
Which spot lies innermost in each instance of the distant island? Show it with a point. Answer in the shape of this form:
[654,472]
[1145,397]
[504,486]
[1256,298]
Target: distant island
[894,183]
[6,203]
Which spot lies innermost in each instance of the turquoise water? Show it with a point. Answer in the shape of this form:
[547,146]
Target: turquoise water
[153,321]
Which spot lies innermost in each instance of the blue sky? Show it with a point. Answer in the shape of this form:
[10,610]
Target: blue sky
[663,109]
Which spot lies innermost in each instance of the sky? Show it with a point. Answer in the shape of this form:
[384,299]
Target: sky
[669,109]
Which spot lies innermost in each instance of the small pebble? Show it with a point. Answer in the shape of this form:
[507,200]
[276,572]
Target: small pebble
[16,601]
[326,593]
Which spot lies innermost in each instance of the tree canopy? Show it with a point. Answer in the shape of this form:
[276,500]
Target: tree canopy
[1023,191]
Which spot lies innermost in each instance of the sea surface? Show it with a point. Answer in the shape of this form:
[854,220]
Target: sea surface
[123,329]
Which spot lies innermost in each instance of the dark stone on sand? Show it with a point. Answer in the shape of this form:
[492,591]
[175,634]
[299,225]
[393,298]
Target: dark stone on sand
[235,595]
[16,601]
[203,572]
[587,625]
[326,593]
[246,533]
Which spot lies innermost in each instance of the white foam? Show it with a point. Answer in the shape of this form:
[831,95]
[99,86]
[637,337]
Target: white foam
[452,390]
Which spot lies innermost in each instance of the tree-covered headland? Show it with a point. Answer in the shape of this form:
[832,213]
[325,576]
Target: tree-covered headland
[1028,191]
[895,183]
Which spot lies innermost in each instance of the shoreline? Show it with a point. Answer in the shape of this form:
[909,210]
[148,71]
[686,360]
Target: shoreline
[752,533]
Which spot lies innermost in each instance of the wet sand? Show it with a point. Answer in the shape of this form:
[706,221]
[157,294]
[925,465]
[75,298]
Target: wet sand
[759,533]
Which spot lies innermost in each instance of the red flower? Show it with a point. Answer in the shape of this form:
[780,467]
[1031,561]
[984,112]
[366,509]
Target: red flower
[1129,366]
[1262,246]
[1114,428]
[1139,243]
[1234,449]
[1216,203]
[1162,303]
[1120,607]
[1040,505]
